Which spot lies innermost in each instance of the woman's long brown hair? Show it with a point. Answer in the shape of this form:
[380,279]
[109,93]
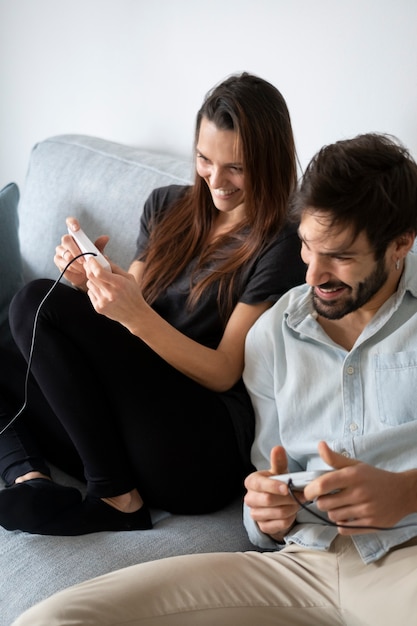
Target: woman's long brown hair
[257,112]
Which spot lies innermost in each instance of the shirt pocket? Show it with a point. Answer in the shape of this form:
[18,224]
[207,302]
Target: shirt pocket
[396,387]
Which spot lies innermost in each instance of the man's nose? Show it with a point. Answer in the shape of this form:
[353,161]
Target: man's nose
[317,272]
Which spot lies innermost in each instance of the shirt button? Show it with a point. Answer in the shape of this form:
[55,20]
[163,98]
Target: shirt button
[353,427]
[350,370]
[346,454]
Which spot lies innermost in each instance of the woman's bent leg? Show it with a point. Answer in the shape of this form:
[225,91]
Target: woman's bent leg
[182,445]
[135,420]
[36,434]
[73,365]
[26,505]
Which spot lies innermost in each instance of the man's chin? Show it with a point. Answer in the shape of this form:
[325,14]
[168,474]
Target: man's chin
[331,315]
[329,311]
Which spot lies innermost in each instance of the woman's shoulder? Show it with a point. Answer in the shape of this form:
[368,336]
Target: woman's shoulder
[283,244]
[167,195]
[288,231]
[161,199]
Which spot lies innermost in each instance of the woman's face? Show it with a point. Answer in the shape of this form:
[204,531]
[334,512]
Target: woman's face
[219,162]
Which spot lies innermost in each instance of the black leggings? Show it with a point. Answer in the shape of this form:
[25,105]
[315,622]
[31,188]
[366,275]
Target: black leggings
[36,434]
[132,419]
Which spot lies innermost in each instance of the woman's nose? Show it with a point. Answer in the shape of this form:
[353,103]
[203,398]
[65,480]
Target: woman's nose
[216,177]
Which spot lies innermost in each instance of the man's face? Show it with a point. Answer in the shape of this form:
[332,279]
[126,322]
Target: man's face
[343,274]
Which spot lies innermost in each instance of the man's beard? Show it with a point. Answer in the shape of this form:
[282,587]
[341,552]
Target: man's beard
[364,292]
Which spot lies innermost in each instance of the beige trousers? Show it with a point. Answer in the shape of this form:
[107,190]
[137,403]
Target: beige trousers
[293,587]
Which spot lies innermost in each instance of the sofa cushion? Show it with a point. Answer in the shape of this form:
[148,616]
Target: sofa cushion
[10,261]
[102,183]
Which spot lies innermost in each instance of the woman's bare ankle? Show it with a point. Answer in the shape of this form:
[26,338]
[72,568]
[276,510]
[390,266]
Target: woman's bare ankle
[30,476]
[126,502]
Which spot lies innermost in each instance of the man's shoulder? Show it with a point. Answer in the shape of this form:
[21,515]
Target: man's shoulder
[293,301]
[411,273]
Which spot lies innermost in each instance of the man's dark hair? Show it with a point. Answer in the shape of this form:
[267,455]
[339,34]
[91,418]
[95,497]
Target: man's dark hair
[368,183]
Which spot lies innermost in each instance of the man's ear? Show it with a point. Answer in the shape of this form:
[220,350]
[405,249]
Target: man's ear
[404,243]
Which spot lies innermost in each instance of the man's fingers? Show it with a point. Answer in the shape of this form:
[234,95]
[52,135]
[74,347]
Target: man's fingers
[334,459]
[278,460]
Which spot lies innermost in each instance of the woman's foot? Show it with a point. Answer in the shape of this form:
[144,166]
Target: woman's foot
[129,502]
[94,515]
[30,504]
[30,475]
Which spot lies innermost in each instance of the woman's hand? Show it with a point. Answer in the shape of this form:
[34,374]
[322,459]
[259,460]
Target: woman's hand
[116,294]
[68,250]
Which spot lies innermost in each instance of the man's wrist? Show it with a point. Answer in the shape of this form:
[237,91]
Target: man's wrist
[280,537]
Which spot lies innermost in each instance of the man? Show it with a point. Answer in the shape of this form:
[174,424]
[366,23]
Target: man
[332,372]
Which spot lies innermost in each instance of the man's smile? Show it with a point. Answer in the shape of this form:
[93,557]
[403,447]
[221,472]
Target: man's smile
[330,291]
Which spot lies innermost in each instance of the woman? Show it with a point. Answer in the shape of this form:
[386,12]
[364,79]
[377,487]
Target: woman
[143,368]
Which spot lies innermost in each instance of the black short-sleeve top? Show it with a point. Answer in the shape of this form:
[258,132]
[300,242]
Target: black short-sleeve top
[277,268]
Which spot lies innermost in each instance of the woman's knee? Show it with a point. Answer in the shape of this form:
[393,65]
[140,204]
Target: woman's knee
[24,306]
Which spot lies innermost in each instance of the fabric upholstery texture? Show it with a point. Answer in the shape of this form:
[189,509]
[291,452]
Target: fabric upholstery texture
[103,184]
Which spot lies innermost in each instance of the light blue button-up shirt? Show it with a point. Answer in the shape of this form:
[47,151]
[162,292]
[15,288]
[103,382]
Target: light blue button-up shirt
[306,388]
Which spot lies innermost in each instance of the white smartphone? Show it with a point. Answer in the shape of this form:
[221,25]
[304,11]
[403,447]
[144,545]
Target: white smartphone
[300,479]
[86,245]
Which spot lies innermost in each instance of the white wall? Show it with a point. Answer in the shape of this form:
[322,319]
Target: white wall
[136,71]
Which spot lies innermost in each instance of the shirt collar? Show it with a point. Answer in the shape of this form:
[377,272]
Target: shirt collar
[300,307]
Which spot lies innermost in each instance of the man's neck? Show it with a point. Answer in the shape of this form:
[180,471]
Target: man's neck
[345,331]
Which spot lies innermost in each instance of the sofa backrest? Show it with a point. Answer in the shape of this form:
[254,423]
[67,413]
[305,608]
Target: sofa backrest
[102,183]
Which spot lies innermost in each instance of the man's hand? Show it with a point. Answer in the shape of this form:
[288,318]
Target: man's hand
[363,495]
[270,502]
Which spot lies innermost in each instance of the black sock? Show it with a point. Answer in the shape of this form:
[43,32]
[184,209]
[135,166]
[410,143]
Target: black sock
[30,504]
[93,515]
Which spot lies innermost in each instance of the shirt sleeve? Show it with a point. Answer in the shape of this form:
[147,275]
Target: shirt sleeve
[258,377]
[256,536]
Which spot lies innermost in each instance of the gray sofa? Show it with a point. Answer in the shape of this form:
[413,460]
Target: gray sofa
[105,185]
